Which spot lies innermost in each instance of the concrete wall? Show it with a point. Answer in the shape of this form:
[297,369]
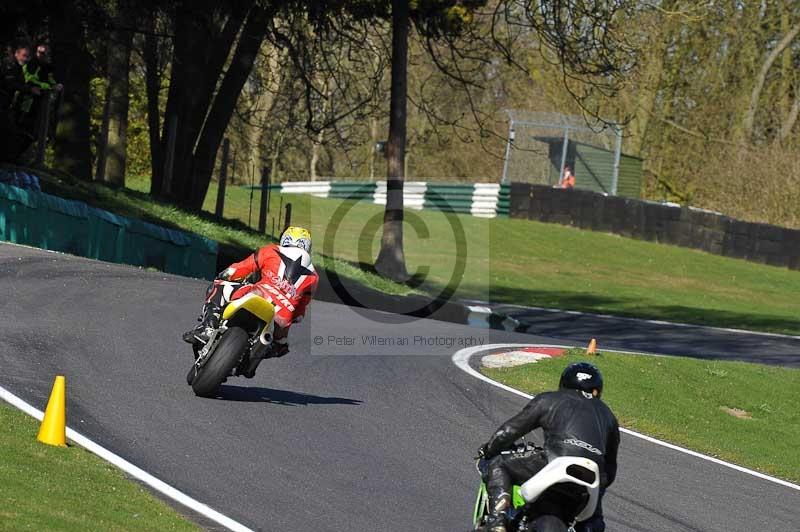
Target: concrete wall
[667,224]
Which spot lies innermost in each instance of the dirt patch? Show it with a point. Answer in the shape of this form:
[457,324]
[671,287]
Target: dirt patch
[736,412]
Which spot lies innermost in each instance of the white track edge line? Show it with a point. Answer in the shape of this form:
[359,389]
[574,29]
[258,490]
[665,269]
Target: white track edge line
[637,320]
[461,359]
[132,470]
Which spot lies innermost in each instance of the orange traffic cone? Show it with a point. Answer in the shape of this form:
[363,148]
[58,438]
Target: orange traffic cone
[53,430]
[592,349]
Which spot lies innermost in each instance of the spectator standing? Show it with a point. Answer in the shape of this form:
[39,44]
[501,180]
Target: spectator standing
[12,88]
[38,73]
[568,179]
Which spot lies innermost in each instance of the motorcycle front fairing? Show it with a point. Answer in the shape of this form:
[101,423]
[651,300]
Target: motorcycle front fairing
[252,303]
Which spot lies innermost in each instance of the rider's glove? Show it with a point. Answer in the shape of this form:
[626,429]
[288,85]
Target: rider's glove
[225,274]
[483,451]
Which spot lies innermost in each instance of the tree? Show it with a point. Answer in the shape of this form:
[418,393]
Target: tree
[114,140]
[68,33]
[583,36]
[434,20]
[391,261]
[202,93]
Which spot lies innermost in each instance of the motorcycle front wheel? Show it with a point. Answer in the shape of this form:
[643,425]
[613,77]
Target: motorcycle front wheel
[224,358]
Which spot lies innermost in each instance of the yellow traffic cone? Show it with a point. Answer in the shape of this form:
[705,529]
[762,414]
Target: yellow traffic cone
[53,430]
[592,349]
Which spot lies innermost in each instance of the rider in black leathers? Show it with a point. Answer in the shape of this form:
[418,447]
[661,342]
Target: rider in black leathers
[575,423]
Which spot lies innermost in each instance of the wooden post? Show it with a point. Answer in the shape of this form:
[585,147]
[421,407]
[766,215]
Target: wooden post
[169,162]
[288,219]
[223,176]
[262,215]
[44,127]
[280,208]
[233,168]
[252,188]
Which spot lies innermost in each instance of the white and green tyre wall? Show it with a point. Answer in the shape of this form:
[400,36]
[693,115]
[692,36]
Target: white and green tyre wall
[486,200]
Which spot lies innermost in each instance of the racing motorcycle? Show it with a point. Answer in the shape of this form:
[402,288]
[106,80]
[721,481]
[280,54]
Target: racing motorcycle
[567,487]
[236,347]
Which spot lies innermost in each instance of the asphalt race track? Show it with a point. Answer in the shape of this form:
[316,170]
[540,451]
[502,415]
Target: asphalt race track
[653,337]
[329,438]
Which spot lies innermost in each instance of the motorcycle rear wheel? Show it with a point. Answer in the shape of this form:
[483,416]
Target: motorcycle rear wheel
[224,358]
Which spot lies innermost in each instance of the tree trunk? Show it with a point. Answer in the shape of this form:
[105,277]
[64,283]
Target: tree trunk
[787,68]
[391,262]
[153,89]
[201,47]
[750,115]
[275,154]
[253,33]
[72,146]
[316,144]
[99,173]
[788,123]
[115,144]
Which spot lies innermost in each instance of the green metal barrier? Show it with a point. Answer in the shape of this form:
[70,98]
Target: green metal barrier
[49,222]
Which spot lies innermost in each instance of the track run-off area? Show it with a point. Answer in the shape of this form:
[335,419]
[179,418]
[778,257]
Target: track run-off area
[366,425]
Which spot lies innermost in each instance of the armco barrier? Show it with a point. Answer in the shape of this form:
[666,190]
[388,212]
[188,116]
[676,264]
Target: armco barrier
[49,222]
[664,223]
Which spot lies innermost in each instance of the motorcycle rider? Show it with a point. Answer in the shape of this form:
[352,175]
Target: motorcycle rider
[282,274]
[576,422]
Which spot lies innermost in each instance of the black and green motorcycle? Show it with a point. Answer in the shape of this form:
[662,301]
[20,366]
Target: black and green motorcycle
[563,493]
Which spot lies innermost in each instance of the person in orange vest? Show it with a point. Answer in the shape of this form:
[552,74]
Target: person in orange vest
[568,179]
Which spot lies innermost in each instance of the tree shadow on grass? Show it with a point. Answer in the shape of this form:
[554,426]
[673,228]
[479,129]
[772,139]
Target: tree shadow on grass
[415,282]
[279,397]
[68,187]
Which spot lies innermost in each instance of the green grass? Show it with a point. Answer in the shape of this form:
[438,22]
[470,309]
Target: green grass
[548,265]
[134,202]
[506,260]
[54,488]
[683,401]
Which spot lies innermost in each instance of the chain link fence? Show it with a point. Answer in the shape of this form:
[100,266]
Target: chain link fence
[543,148]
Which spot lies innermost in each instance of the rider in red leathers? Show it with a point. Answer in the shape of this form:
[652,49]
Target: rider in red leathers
[282,274]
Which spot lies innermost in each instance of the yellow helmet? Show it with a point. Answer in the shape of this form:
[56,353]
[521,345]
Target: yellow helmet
[297,237]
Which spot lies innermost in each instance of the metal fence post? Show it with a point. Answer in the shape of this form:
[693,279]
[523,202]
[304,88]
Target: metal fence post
[617,154]
[262,215]
[510,141]
[223,176]
[563,155]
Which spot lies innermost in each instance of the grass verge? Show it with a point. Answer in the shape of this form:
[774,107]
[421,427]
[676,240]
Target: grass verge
[504,260]
[134,202]
[723,409]
[54,488]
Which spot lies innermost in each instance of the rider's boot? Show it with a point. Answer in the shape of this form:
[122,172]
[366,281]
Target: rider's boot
[199,335]
[495,522]
[278,349]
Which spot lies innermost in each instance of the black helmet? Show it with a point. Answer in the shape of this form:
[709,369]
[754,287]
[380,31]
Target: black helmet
[582,376]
